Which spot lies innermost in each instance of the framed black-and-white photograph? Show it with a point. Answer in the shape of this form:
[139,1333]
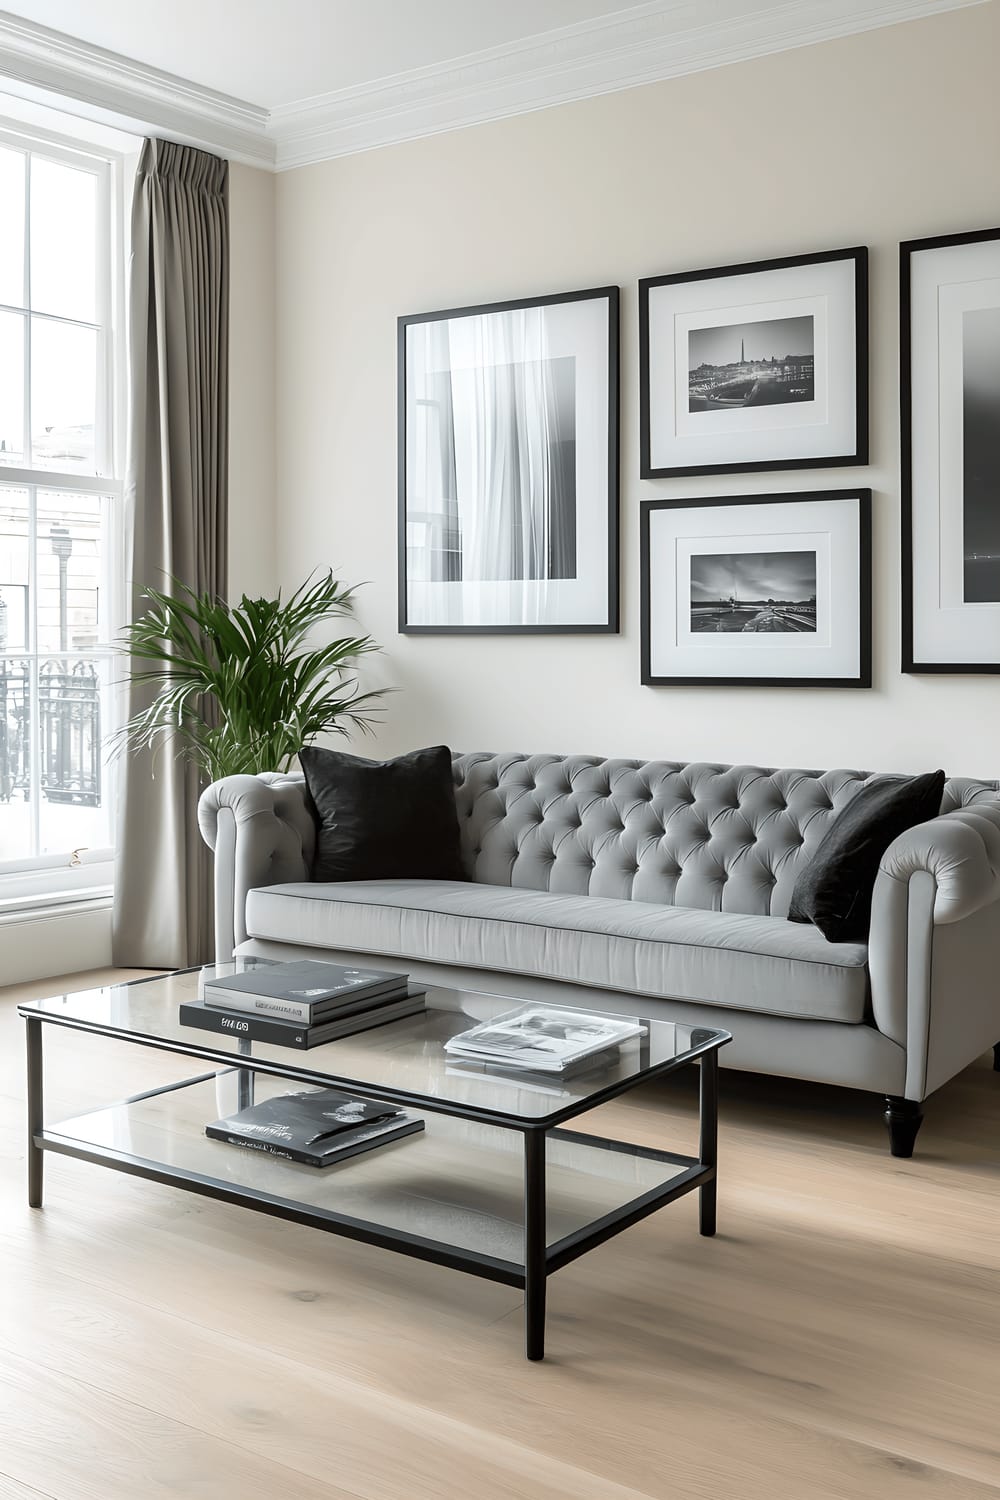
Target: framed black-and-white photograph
[758,366]
[757,590]
[950,471]
[508,466]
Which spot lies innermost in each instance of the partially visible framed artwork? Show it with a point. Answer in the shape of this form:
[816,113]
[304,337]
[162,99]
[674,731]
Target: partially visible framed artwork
[950,452]
[508,466]
[757,366]
[757,590]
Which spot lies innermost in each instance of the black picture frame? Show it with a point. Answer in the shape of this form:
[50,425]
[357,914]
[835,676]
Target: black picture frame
[854,457]
[610,625]
[908,249]
[863,678]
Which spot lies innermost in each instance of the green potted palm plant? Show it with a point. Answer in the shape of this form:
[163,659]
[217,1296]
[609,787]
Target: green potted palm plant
[236,685]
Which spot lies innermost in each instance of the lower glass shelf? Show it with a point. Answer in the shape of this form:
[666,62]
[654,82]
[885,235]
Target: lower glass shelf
[457,1185]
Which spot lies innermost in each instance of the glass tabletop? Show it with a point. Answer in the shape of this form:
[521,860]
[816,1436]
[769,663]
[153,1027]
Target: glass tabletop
[404,1060]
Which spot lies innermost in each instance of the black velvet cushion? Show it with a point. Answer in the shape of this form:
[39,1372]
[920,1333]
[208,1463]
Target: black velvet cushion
[834,891]
[383,819]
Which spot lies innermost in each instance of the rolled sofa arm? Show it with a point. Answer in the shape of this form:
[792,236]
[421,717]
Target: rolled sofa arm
[961,850]
[938,875]
[262,834]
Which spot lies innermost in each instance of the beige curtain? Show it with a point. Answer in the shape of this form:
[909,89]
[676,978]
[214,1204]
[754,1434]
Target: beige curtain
[176,507]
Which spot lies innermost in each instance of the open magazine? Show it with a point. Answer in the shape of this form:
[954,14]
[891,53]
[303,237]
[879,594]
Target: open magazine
[543,1038]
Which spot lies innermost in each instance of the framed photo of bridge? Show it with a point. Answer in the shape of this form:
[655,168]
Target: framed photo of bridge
[758,366]
[757,590]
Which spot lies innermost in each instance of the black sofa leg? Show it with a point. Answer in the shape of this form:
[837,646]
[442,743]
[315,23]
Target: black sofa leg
[996,1057]
[904,1118]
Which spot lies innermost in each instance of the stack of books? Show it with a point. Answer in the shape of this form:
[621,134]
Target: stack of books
[302,1004]
[317,1127]
[545,1040]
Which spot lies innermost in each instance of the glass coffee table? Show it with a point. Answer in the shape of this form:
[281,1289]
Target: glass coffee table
[496,1184]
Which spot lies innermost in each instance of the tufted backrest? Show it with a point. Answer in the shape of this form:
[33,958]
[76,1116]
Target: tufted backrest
[722,838]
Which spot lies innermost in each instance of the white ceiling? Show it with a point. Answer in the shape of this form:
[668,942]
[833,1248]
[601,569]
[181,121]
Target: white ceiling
[273,52]
[280,83]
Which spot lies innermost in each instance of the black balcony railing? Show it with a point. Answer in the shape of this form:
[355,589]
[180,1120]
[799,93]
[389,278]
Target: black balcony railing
[69,731]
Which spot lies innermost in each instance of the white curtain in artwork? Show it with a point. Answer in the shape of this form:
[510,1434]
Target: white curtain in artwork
[513,450]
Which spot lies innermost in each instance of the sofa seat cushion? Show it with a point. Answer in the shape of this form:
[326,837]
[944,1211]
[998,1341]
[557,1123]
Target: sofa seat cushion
[763,964]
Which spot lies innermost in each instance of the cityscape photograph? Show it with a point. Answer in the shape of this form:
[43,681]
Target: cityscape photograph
[768,363]
[758,592]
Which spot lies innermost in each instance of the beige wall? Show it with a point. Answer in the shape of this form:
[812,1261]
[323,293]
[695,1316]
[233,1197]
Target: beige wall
[888,135]
[252,565]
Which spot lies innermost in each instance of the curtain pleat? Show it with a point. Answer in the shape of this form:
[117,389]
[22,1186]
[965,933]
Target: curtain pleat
[176,515]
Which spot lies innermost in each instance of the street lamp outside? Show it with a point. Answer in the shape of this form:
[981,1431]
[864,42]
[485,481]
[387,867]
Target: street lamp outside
[62,547]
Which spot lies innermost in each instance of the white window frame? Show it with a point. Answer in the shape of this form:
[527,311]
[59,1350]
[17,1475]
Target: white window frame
[52,879]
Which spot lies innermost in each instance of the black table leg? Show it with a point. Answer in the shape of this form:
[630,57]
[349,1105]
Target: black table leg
[36,1156]
[708,1132]
[245,1077]
[534,1244]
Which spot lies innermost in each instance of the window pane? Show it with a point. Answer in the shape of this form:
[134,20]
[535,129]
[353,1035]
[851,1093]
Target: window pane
[73,810]
[15,630]
[11,227]
[69,562]
[63,395]
[63,240]
[11,388]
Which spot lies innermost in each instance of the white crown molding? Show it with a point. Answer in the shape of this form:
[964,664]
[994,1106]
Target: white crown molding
[52,68]
[644,44]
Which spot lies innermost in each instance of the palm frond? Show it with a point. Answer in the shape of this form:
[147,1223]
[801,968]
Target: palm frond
[236,686]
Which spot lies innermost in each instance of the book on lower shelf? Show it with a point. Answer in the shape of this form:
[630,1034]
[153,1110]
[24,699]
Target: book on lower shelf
[307,990]
[282,1033]
[543,1039]
[316,1127]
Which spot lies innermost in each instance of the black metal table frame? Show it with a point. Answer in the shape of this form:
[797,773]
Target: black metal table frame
[540,1258]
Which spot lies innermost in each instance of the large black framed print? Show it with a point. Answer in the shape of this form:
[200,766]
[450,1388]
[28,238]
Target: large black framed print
[752,367]
[950,452]
[508,466]
[757,590]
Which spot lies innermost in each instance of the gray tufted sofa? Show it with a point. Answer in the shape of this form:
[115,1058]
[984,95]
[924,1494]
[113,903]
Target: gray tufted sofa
[662,888]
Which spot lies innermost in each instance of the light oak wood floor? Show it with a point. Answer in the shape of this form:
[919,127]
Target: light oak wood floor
[839,1338]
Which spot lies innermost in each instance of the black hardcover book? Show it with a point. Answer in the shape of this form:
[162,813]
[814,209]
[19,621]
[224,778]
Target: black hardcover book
[318,1127]
[301,991]
[295,1033]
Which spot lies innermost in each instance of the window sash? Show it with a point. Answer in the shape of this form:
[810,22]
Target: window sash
[46,874]
[106,324]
